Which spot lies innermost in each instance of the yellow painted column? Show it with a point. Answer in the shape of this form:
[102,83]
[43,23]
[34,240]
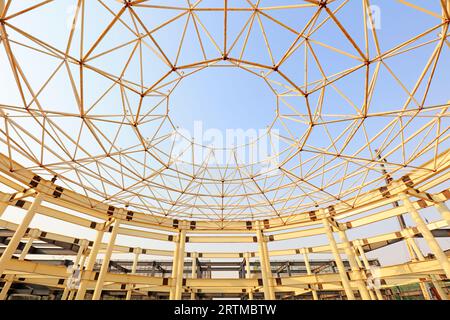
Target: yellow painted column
[20,232]
[248,274]
[361,267]
[174,268]
[337,258]
[269,293]
[193,272]
[3,206]
[65,293]
[34,234]
[71,295]
[137,252]
[366,264]
[354,266]
[90,264]
[105,265]
[180,268]
[309,272]
[427,235]
[269,270]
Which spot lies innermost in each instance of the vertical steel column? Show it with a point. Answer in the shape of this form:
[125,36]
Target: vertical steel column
[20,232]
[105,265]
[248,274]
[337,258]
[361,267]
[193,272]
[427,235]
[174,268]
[364,271]
[65,294]
[401,220]
[366,263]
[71,295]
[3,206]
[354,266]
[137,252]
[90,264]
[180,269]
[309,272]
[269,293]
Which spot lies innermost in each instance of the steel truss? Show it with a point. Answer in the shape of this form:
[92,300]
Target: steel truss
[111,167]
[45,198]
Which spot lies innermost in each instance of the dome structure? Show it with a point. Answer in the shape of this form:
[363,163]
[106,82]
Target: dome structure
[95,95]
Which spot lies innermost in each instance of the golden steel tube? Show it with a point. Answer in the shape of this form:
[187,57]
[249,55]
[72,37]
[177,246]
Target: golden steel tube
[337,258]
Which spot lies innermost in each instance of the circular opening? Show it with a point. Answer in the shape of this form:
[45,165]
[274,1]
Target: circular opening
[222,98]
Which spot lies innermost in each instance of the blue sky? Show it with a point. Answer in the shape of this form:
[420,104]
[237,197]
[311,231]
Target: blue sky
[231,98]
